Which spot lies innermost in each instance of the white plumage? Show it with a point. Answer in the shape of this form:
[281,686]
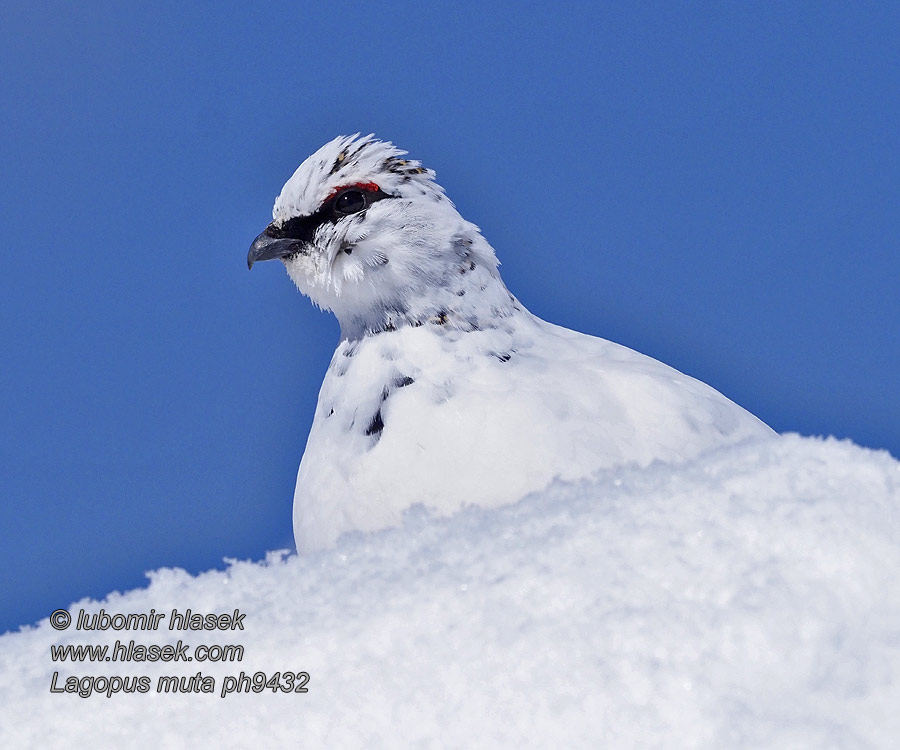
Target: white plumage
[444,389]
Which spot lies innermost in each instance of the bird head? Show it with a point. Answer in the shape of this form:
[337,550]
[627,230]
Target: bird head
[372,237]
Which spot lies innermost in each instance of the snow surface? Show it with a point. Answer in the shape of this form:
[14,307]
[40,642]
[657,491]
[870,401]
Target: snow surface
[748,599]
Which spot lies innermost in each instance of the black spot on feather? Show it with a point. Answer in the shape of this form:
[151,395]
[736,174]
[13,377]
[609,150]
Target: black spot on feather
[338,162]
[376,425]
[358,150]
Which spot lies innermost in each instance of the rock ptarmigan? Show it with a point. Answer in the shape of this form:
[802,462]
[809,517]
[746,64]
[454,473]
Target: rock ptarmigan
[444,390]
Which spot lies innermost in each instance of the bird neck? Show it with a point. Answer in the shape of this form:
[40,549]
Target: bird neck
[471,301]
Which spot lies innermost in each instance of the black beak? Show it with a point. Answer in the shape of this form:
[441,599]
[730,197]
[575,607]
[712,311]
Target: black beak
[270,245]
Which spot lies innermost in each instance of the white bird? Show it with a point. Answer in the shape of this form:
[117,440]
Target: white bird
[444,390]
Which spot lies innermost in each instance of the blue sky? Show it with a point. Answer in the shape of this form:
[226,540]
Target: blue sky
[713,184]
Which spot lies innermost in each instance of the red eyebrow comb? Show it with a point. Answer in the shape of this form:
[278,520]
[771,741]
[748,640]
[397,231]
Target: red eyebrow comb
[370,187]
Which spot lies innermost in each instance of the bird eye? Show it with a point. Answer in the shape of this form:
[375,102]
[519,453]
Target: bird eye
[349,202]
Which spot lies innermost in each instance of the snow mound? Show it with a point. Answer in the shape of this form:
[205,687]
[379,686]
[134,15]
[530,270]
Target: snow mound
[749,599]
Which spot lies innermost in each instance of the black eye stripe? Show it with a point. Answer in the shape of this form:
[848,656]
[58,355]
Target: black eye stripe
[304,228]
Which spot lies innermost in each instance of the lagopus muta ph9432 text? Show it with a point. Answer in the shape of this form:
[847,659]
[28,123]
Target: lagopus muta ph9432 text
[444,390]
